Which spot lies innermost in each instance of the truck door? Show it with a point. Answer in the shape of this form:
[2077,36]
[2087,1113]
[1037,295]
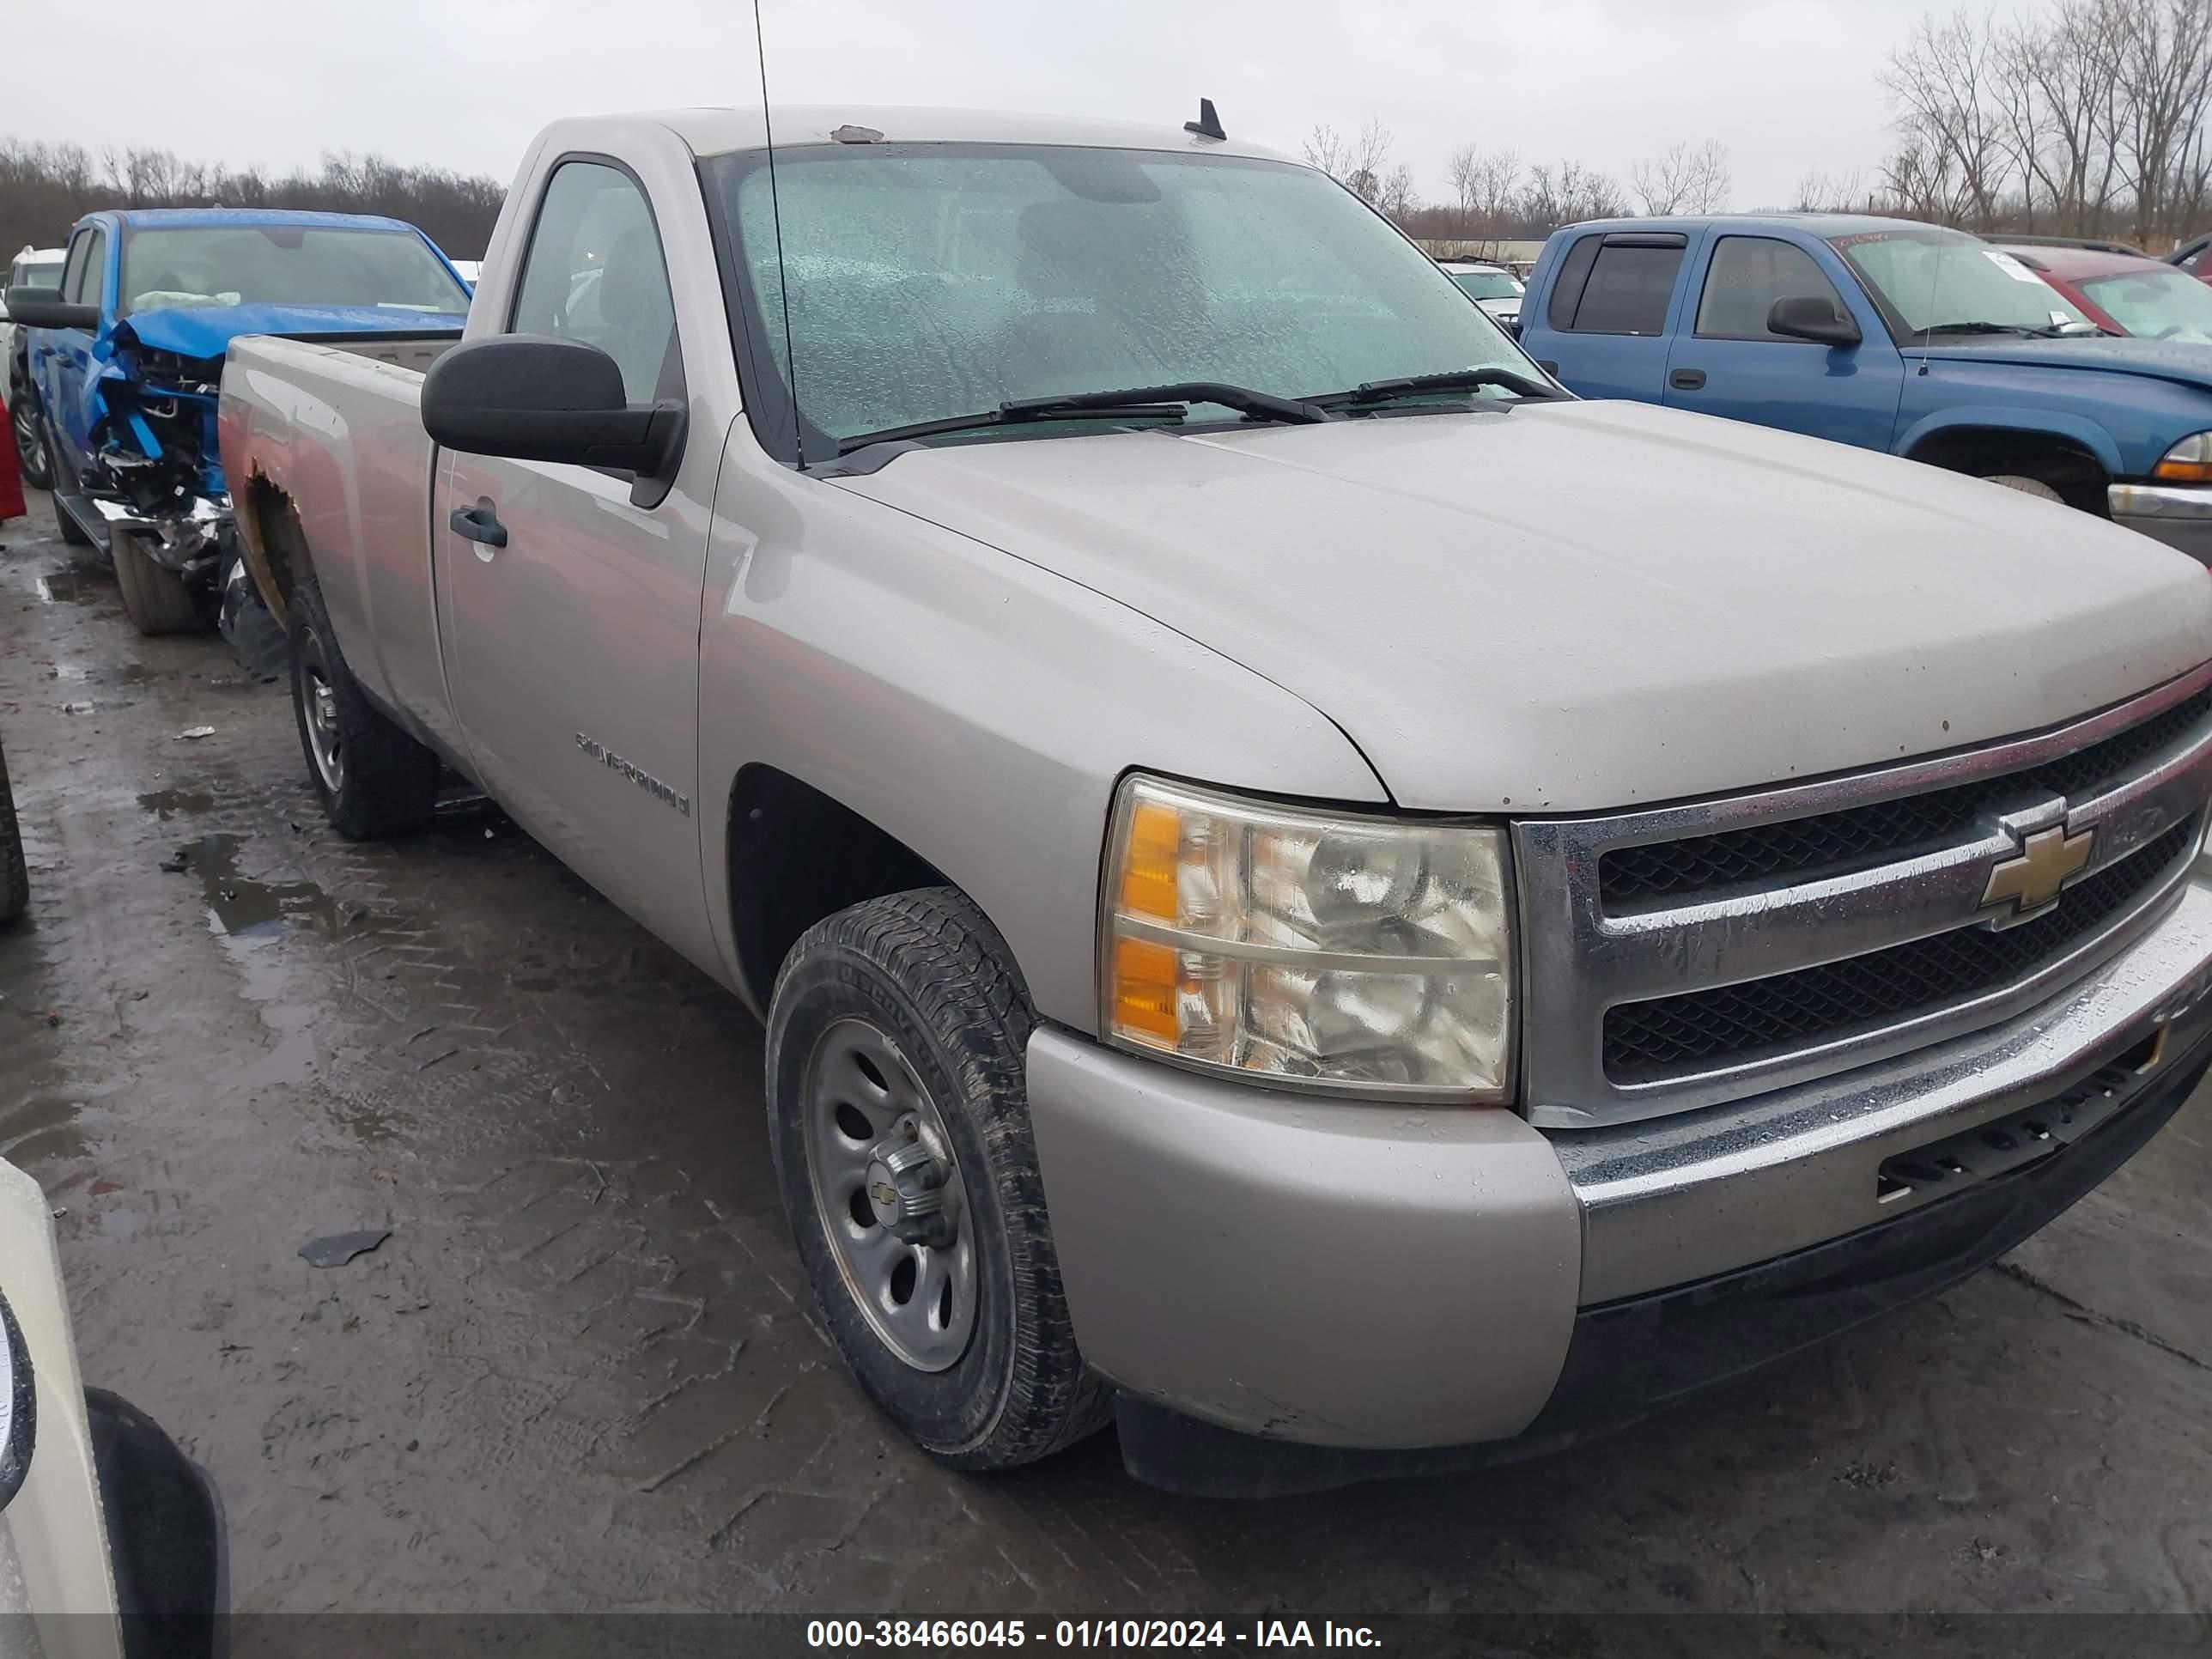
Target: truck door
[1726,361]
[60,359]
[570,614]
[1607,314]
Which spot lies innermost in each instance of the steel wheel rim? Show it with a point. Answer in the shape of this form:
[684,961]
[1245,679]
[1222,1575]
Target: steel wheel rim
[856,1079]
[318,705]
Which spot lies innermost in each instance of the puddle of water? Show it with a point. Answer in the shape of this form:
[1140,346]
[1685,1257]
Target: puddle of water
[44,1126]
[166,804]
[72,670]
[246,908]
[132,673]
[62,587]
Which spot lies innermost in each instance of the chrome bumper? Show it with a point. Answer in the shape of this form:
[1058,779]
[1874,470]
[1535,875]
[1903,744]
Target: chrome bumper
[2180,515]
[1668,1202]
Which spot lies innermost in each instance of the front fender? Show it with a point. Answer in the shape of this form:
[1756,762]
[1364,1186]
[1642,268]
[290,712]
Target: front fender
[2089,433]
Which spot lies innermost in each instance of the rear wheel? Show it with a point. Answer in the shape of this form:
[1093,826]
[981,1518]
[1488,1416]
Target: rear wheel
[155,598]
[899,1118]
[374,779]
[15,875]
[30,435]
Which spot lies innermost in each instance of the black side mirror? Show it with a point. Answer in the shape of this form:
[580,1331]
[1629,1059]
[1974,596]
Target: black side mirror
[1808,317]
[19,1402]
[44,308]
[536,397]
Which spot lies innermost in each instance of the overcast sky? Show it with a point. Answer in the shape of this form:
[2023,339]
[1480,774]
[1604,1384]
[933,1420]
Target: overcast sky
[1787,85]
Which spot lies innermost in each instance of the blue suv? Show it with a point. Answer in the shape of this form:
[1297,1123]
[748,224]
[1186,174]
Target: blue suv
[1886,334]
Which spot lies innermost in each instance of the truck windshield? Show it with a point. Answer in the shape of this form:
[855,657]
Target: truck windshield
[1936,281]
[928,281]
[2156,302]
[284,265]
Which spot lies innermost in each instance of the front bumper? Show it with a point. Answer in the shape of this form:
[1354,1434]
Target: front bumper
[1364,1284]
[2180,515]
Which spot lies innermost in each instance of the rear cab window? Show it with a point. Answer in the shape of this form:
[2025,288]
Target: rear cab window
[1620,283]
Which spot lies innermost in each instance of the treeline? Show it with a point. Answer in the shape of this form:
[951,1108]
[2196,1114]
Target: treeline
[45,188]
[2090,118]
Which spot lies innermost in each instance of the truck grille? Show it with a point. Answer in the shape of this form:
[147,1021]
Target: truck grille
[1732,1023]
[1684,956]
[1837,843]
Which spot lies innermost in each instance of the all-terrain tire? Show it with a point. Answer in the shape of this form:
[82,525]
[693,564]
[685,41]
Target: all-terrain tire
[64,526]
[927,969]
[377,781]
[156,599]
[15,874]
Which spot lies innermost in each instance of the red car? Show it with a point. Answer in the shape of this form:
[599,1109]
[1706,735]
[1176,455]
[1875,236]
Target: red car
[2126,293]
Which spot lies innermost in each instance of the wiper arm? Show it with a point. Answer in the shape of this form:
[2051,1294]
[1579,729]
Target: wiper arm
[1455,380]
[1971,328]
[1264,405]
[1004,415]
[1159,403]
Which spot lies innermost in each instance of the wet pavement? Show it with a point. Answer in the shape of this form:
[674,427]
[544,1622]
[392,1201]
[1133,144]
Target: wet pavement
[580,1373]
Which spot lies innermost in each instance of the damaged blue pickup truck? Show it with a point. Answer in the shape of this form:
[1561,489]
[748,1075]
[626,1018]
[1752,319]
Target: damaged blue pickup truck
[125,358]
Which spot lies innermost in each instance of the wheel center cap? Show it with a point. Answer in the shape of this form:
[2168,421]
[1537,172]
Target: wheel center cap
[883,1195]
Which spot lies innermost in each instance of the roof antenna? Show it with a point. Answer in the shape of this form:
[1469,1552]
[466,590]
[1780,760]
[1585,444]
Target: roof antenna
[776,215]
[1209,124]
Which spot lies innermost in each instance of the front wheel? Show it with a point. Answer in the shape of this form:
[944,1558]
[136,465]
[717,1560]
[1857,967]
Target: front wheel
[2026,485]
[154,597]
[899,1117]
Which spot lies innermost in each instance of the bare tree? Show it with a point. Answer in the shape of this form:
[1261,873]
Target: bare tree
[1942,83]
[1565,192]
[1360,163]
[1683,181]
[1820,191]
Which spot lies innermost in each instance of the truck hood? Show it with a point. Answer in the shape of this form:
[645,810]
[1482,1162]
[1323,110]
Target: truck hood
[2158,360]
[207,330]
[1572,606]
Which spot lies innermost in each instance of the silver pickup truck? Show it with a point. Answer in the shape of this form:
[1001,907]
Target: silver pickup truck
[1311,892]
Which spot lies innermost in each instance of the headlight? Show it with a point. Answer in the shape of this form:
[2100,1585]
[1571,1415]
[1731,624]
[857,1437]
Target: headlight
[1308,950]
[2189,461]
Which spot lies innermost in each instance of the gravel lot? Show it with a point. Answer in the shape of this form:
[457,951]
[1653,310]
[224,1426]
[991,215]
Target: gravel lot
[581,1373]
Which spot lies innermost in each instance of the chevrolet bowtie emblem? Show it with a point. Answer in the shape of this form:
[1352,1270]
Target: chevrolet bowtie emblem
[2048,859]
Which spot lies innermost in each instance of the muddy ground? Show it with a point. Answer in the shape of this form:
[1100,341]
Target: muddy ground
[581,1374]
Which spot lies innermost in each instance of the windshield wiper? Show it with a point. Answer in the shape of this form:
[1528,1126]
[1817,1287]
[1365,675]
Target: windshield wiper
[1163,403]
[1455,379]
[1971,328]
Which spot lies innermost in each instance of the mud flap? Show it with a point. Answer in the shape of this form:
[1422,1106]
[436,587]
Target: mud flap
[263,650]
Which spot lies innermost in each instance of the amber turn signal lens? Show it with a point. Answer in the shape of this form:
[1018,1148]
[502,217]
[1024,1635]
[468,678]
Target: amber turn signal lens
[1148,868]
[1144,989]
[2170,471]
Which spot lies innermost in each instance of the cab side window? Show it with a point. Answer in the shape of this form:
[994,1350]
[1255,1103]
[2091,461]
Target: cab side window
[595,272]
[1748,275]
[82,273]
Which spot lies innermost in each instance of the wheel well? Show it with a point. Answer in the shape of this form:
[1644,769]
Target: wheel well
[276,546]
[1987,451]
[795,856]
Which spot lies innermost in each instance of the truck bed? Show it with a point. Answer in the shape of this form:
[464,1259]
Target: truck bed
[323,443]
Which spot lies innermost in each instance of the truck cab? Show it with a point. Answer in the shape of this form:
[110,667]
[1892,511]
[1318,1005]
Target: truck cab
[1886,335]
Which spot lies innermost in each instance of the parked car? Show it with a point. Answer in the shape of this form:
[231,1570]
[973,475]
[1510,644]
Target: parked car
[124,355]
[2124,293]
[1493,288]
[112,1539]
[1885,334]
[1310,891]
[34,267]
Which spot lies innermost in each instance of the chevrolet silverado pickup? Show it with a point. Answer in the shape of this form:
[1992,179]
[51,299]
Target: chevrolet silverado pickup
[1312,893]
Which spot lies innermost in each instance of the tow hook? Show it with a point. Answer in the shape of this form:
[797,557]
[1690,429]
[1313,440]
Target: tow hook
[906,1184]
